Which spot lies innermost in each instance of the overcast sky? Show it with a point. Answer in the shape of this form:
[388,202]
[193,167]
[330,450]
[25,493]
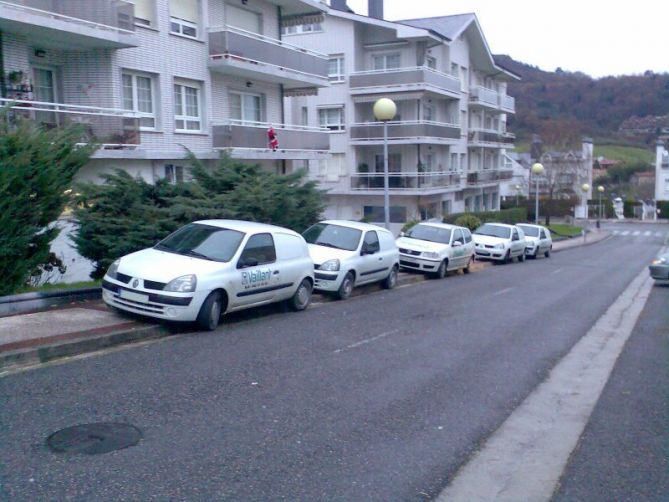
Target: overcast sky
[597,37]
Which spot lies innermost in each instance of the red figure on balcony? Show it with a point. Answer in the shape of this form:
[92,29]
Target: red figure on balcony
[273,140]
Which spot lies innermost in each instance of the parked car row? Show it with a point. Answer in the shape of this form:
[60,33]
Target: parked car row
[212,267]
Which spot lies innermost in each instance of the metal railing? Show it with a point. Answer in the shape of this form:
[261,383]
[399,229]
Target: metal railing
[491,136]
[101,14]
[236,44]
[405,76]
[253,135]
[490,97]
[407,129]
[488,176]
[108,127]
[405,180]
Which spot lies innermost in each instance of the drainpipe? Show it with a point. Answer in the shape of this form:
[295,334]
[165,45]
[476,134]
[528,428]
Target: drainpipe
[279,14]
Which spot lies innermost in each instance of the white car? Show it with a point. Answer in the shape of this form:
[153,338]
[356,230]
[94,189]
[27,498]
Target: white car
[538,240]
[348,254]
[436,248]
[211,267]
[499,242]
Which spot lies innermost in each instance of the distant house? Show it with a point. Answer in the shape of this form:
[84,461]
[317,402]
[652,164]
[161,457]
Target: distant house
[644,178]
[661,172]
[641,126]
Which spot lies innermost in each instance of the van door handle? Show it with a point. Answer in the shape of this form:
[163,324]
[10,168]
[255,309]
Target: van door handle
[380,259]
[276,272]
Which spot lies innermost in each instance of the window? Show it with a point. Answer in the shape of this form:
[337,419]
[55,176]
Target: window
[386,61]
[244,19]
[376,214]
[336,69]
[138,97]
[371,243]
[394,163]
[445,207]
[332,118]
[457,237]
[296,29]
[305,116]
[174,174]
[455,70]
[428,112]
[259,250]
[184,17]
[515,235]
[542,234]
[463,79]
[187,108]
[431,62]
[454,162]
[144,12]
[468,236]
[246,107]
[463,161]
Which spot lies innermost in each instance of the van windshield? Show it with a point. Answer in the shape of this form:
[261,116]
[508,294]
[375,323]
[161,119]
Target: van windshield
[333,236]
[530,231]
[430,233]
[494,231]
[203,241]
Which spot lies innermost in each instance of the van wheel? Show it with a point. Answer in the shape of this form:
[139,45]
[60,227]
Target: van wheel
[547,254]
[507,257]
[302,297]
[521,257]
[210,312]
[346,287]
[391,281]
[441,271]
[467,269]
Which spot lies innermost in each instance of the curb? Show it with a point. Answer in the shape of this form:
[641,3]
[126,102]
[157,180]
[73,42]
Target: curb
[582,244]
[28,302]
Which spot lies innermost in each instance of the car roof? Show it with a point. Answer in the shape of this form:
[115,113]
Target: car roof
[355,224]
[245,226]
[505,225]
[531,225]
[446,226]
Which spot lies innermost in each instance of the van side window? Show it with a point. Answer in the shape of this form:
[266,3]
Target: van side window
[457,237]
[259,250]
[468,235]
[515,235]
[543,235]
[372,242]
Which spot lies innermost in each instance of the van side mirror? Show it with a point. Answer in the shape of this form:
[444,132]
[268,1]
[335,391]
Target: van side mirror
[403,234]
[457,244]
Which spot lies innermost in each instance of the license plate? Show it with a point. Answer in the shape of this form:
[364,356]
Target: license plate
[135,297]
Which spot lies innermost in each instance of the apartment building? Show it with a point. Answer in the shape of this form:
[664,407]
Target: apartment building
[661,171]
[149,78]
[448,140]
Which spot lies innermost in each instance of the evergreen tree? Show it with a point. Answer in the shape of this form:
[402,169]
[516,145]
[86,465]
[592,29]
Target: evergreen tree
[37,166]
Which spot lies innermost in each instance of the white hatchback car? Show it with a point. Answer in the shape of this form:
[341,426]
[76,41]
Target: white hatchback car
[348,254]
[538,240]
[436,248]
[211,267]
[499,242]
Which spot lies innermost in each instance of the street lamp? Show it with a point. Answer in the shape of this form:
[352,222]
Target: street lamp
[517,194]
[384,111]
[537,170]
[600,189]
[585,188]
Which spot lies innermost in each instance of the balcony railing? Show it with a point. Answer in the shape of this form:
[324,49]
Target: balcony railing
[381,80]
[107,127]
[101,14]
[489,97]
[406,181]
[253,136]
[405,130]
[488,176]
[230,46]
[491,137]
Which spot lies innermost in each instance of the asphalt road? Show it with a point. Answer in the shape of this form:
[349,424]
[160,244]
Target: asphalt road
[381,397]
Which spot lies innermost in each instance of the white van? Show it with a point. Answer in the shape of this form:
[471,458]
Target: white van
[499,242]
[436,248]
[538,240]
[211,267]
[348,254]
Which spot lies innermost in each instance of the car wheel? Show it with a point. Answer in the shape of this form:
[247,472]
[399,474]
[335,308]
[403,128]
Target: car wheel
[210,312]
[391,281]
[536,253]
[302,297]
[521,257]
[346,287]
[507,257]
[441,271]
[547,254]
[467,269]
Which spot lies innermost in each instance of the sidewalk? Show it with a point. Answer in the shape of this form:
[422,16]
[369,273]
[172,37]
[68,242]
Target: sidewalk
[40,337]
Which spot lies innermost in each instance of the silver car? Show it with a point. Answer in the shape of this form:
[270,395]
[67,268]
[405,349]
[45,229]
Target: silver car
[659,268]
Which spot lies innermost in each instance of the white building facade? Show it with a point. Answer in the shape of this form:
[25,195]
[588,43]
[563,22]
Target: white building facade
[447,143]
[661,172]
[149,79]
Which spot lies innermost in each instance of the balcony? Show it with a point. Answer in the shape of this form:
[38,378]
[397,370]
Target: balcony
[405,132]
[108,127]
[71,24]
[248,140]
[420,78]
[489,176]
[489,98]
[490,138]
[234,51]
[410,183]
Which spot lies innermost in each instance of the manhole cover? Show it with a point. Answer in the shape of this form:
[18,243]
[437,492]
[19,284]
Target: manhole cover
[94,439]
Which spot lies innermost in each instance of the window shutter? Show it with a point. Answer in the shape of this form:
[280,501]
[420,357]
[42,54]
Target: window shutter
[185,9]
[144,9]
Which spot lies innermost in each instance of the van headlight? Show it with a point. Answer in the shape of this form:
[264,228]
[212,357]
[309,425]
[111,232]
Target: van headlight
[183,284]
[499,246]
[659,261]
[112,271]
[430,254]
[330,266]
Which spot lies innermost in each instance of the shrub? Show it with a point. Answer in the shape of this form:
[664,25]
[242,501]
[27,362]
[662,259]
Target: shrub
[409,225]
[37,166]
[511,216]
[663,206]
[469,221]
[125,214]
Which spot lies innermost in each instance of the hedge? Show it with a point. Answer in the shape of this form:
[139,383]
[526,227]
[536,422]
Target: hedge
[511,216]
[663,206]
[629,207]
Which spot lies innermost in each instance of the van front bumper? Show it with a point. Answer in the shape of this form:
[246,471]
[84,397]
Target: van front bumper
[328,281]
[418,264]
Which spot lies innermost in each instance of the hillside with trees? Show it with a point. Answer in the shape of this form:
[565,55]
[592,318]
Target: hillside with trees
[563,106]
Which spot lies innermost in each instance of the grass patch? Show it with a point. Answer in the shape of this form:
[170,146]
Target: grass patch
[561,229]
[627,154]
[60,287]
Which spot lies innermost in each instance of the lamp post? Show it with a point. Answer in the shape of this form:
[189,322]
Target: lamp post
[537,170]
[600,189]
[384,111]
[517,194]
[585,188]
